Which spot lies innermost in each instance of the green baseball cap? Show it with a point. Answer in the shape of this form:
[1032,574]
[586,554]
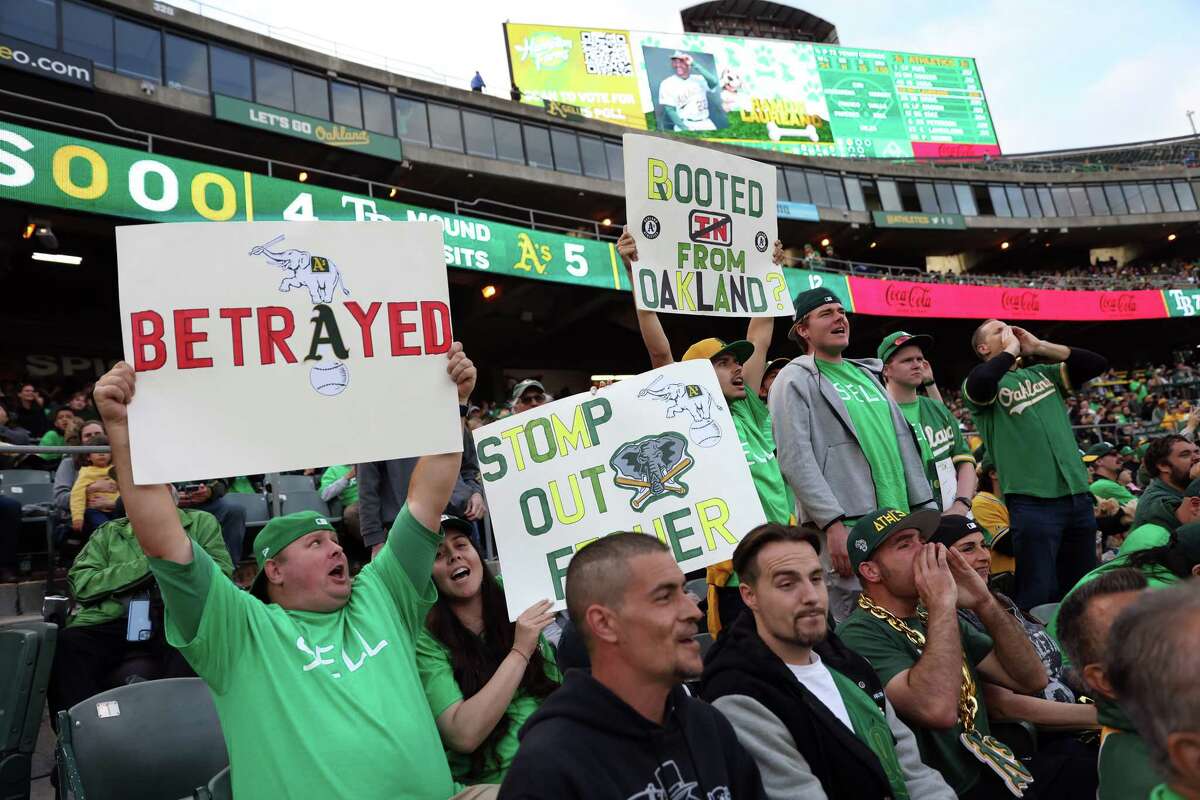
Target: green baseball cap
[1098,451]
[807,301]
[893,342]
[874,529]
[278,534]
[1126,451]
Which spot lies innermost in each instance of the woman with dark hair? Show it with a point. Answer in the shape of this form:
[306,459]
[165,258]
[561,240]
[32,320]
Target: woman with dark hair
[483,675]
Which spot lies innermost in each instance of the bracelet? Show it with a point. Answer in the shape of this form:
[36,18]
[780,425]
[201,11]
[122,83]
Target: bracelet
[966,501]
[522,655]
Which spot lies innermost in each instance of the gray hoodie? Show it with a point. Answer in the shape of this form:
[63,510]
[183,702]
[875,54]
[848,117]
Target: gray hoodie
[818,448]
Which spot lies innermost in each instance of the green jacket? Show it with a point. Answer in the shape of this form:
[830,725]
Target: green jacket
[112,564]
[1125,767]
[1158,504]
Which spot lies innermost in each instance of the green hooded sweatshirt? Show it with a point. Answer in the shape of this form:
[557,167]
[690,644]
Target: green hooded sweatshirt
[1126,769]
[1157,505]
[112,565]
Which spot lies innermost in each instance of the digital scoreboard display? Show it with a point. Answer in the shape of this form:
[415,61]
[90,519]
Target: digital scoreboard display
[794,97]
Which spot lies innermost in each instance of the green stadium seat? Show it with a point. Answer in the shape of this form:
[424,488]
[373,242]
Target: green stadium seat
[26,654]
[23,476]
[145,741]
[291,483]
[310,500]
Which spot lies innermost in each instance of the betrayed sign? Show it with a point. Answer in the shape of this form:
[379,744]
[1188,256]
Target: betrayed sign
[705,225]
[268,346]
[656,453]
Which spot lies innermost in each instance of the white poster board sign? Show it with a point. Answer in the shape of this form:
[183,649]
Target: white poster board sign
[655,453]
[705,223]
[268,346]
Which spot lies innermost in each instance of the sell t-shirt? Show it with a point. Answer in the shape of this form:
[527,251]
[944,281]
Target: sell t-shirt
[942,445]
[689,97]
[442,691]
[871,414]
[753,424]
[349,495]
[890,653]
[317,704]
[1028,433]
[1104,489]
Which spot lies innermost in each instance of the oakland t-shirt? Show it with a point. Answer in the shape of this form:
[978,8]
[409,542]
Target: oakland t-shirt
[317,704]
[871,414]
[942,445]
[442,691]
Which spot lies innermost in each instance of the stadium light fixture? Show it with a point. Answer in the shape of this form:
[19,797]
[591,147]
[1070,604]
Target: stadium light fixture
[392,193]
[1004,245]
[489,292]
[30,227]
[825,242]
[1170,237]
[873,245]
[606,221]
[58,258]
[303,176]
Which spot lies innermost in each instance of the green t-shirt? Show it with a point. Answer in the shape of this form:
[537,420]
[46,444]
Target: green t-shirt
[1104,489]
[871,413]
[441,690]
[890,653]
[51,438]
[753,423]
[349,495]
[871,728]
[318,704]
[942,444]
[1028,434]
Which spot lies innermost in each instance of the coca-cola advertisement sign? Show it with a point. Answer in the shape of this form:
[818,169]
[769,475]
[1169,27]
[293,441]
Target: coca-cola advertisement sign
[1026,302]
[907,296]
[1123,303]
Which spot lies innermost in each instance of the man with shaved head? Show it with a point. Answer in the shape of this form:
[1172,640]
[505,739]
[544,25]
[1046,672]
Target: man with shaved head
[1020,410]
[629,729]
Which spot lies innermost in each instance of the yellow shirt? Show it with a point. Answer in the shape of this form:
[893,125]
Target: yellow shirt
[87,476]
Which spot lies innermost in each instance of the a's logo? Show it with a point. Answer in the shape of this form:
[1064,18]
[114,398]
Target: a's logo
[1020,301]
[321,521]
[651,227]
[908,297]
[651,467]
[861,544]
[710,227]
[695,401]
[760,242]
[265,551]
[1124,303]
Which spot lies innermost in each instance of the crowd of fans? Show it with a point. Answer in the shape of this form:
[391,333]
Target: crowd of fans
[938,570]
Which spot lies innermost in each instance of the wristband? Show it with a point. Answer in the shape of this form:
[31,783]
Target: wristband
[522,655]
[927,384]
[966,501]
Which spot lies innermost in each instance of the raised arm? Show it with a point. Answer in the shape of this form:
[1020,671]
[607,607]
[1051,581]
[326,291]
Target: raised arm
[759,333]
[150,509]
[653,335]
[927,692]
[434,477]
[983,382]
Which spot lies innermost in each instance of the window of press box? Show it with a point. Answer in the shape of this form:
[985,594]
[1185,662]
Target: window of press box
[566,151]
[889,196]
[537,146]
[508,141]
[592,150]
[1062,201]
[312,94]
[1167,195]
[480,138]
[1031,201]
[412,121]
[1133,197]
[966,200]
[1187,201]
[983,200]
[139,51]
[347,105]
[1079,201]
[781,192]
[1115,198]
[1046,201]
[797,186]
[445,128]
[927,198]
[377,112]
[616,160]
[273,85]
[1016,200]
[908,196]
[871,198]
[186,64]
[999,200]
[1095,195]
[945,197]
[230,73]
[1150,198]
[817,188]
[34,21]
[837,194]
[88,33]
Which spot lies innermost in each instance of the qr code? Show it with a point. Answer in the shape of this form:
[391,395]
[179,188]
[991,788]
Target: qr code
[605,53]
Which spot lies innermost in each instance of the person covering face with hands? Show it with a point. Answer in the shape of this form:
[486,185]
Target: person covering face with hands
[1021,414]
[845,446]
[313,676]
[929,661]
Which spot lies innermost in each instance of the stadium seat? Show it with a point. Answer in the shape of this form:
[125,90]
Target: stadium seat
[291,483]
[26,654]
[698,587]
[219,788]
[1044,613]
[28,493]
[145,741]
[23,476]
[255,506]
[291,502]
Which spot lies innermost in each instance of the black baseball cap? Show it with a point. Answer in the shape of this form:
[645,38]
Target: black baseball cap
[954,527]
[807,301]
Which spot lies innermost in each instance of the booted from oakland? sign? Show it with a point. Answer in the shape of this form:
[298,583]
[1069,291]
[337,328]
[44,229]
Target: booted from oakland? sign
[270,346]
[705,224]
[656,453]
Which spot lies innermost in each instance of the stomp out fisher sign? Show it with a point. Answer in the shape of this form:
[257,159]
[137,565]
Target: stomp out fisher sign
[656,453]
[705,223]
[267,346]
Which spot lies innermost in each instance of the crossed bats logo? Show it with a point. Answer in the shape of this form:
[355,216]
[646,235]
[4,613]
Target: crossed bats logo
[651,468]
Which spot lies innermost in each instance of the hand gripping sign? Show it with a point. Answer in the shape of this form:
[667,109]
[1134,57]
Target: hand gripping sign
[705,223]
[656,453]
[268,346]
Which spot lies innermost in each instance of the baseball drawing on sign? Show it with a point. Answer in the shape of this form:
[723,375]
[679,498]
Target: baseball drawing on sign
[321,277]
[693,399]
[651,467]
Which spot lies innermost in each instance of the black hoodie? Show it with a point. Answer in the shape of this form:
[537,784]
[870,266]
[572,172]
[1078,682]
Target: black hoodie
[585,742]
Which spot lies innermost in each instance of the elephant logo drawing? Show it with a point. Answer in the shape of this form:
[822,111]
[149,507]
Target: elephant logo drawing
[302,270]
[695,401]
[329,377]
[651,467]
